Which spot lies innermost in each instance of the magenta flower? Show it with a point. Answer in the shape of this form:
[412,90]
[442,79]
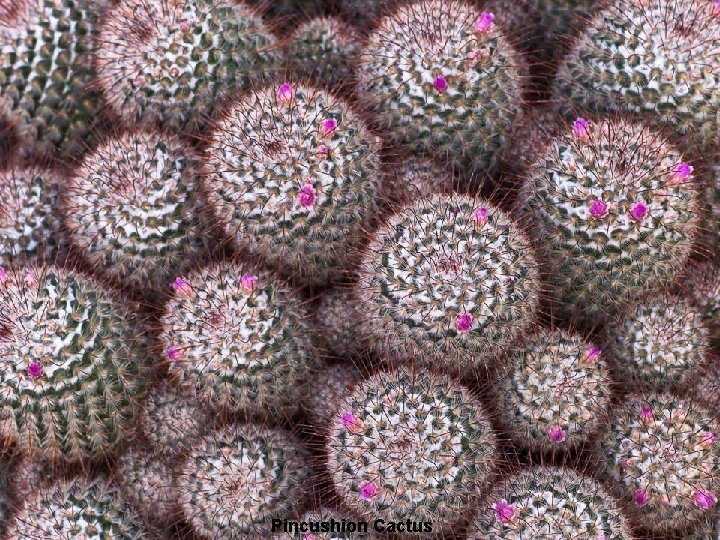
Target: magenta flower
[704,499]
[484,22]
[308,536]
[368,491]
[593,354]
[716,7]
[348,420]
[638,211]
[328,126]
[440,84]
[3,275]
[182,287]
[307,196]
[708,438]
[598,209]
[504,512]
[464,322]
[480,216]
[285,92]
[683,171]
[641,497]
[323,150]
[556,434]
[247,281]
[35,369]
[581,128]
[646,414]
[173,353]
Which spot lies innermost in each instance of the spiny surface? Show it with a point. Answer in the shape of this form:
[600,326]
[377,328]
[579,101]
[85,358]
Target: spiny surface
[410,444]
[702,288]
[328,387]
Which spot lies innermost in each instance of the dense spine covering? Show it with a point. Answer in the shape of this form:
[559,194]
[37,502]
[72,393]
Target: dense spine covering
[135,207]
[554,391]
[409,178]
[335,318]
[171,64]
[616,209]
[552,504]
[441,78]
[660,343]
[663,455]
[70,358]
[448,278]
[237,479]
[328,387]
[241,340]
[294,175]
[47,102]
[87,509]
[405,444]
[702,287]
[658,58]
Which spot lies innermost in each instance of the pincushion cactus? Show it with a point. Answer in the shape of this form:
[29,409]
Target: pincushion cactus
[658,344]
[658,58]
[241,477]
[550,503]
[441,78]
[663,455]
[170,64]
[240,339]
[616,208]
[87,509]
[293,178]
[407,444]
[134,208]
[554,391]
[47,102]
[448,278]
[70,359]
[30,230]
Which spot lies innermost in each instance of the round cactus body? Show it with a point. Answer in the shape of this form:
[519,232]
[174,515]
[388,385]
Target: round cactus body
[659,344]
[663,456]
[134,208]
[554,391]
[238,479]
[322,51]
[550,503]
[405,444]
[170,64]
[293,177]
[30,230]
[47,104]
[617,210]
[442,79]
[658,58]
[80,509]
[449,279]
[241,340]
[70,360]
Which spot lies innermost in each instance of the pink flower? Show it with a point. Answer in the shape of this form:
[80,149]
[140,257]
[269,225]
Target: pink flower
[556,434]
[440,84]
[704,499]
[598,209]
[480,216]
[641,497]
[173,353]
[247,282]
[484,22]
[716,7]
[308,536]
[307,196]
[581,128]
[368,491]
[185,26]
[285,92]
[3,275]
[683,171]
[182,287]
[646,414]
[504,512]
[638,211]
[323,151]
[328,126]
[708,438]
[35,369]
[30,278]
[464,322]
[592,354]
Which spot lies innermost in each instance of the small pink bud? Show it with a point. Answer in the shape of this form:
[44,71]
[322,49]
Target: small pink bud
[138,82]
[646,414]
[484,22]
[185,26]
[581,128]
[35,369]
[464,322]
[440,84]
[351,422]
[556,434]
[307,196]
[704,499]
[598,209]
[368,491]
[716,7]
[328,126]
[29,278]
[173,353]
[247,282]
[638,211]
[641,497]
[308,536]
[682,171]
[480,216]
[323,151]
[182,287]
[708,438]
[285,92]
[3,275]
[504,512]
[592,354]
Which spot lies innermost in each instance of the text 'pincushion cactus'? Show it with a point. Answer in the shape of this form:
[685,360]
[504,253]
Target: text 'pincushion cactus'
[293,178]
[449,278]
[47,104]
[77,509]
[663,455]
[240,339]
[241,477]
[406,445]
[658,58]
[170,64]
[134,207]
[441,78]
[552,504]
[616,208]
[554,391]
[70,359]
